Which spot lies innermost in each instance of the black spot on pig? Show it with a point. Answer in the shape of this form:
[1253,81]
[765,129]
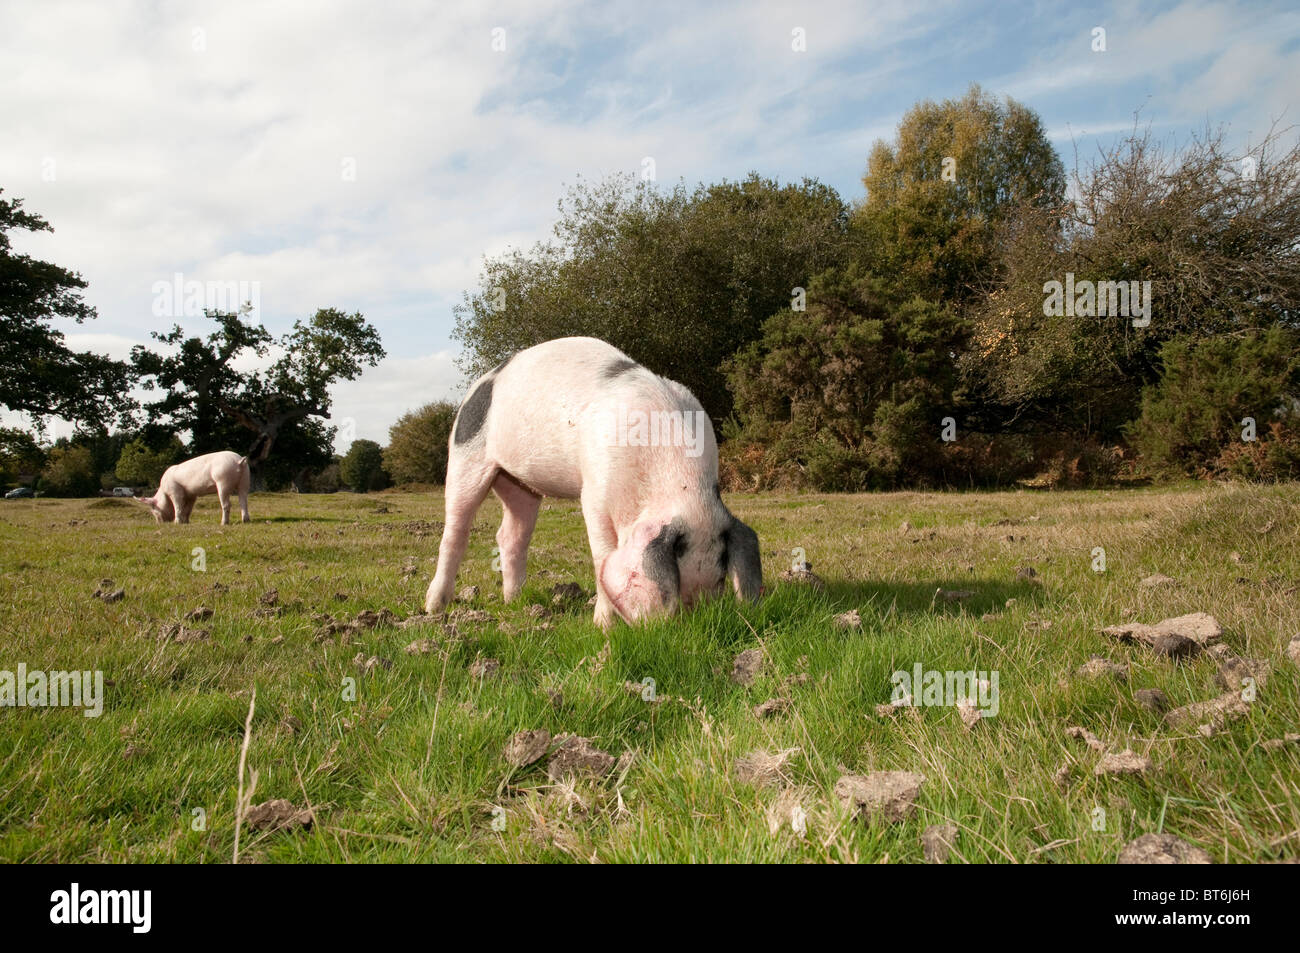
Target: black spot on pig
[469,420]
[660,560]
[501,367]
[618,368]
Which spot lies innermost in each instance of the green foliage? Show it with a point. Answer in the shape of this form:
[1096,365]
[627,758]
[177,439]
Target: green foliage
[678,280]
[70,471]
[20,456]
[141,465]
[362,468]
[39,374]
[935,234]
[1194,414]
[853,389]
[417,444]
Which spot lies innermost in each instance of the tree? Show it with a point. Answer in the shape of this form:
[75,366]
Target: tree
[852,391]
[362,468]
[141,465]
[70,471]
[937,195]
[1210,386]
[417,444]
[21,457]
[676,279]
[259,410]
[39,374]
[1220,249]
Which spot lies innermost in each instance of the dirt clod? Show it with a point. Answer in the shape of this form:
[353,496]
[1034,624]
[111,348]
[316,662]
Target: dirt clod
[179,632]
[889,795]
[468,594]
[804,577]
[278,815]
[1125,762]
[937,842]
[1152,699]
[1157,581]
[1211,714]
[773,706]
[526,747]
[576,756]
[1175,646]
[746,666]
[1087,737]
[848,620]
[199,614]
[484,668]
[1234,671]
[1200,627]
[1162,849]
[566,592]
[1098,666]
[763,768]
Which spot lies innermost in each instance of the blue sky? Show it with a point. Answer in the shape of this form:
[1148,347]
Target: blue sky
[212,139]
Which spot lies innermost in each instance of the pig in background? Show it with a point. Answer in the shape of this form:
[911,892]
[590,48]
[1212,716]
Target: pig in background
[224,473]
[576,418]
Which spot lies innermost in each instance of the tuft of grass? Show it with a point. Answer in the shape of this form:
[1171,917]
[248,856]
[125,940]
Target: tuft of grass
[403,761]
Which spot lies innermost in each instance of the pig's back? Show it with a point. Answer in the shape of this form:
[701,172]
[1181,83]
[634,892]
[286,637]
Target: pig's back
[544,404]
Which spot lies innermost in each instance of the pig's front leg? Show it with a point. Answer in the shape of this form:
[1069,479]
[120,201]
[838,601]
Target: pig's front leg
[184,504]
[604,540]
[469,477]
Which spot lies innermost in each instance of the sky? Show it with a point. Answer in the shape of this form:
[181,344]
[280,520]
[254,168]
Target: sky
[367,156]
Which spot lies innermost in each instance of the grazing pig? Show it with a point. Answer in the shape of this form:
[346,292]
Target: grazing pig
[576,418]
[223,473]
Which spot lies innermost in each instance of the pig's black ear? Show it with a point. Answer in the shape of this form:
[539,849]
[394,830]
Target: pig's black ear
[744,565]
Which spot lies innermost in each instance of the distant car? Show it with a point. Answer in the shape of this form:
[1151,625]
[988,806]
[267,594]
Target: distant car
[123,491]
[19,493]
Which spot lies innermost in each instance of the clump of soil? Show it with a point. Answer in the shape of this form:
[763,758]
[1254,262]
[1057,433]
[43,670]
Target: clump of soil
[848,620]
[937,842]
[1162,849]
[277,815]
[576,755]
[763,768]
[773,706]
[527,747]
[1125,762]
[746,666]
[889,795]
[1099,666]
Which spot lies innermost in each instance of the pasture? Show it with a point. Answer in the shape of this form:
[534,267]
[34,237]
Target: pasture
[408,765]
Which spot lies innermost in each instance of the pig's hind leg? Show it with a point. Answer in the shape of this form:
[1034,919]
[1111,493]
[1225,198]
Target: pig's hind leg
[223,497]
[520,507]
[469,477]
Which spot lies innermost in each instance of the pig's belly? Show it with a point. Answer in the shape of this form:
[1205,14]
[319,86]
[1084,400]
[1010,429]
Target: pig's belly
[543,465]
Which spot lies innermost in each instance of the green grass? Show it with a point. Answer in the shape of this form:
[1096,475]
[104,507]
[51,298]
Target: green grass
[412,769]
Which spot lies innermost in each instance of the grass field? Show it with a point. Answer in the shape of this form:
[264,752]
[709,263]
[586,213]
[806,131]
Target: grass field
[411,768]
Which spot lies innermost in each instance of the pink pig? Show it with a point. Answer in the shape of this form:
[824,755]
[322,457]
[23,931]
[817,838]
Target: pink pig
[576,418]
[223,473]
